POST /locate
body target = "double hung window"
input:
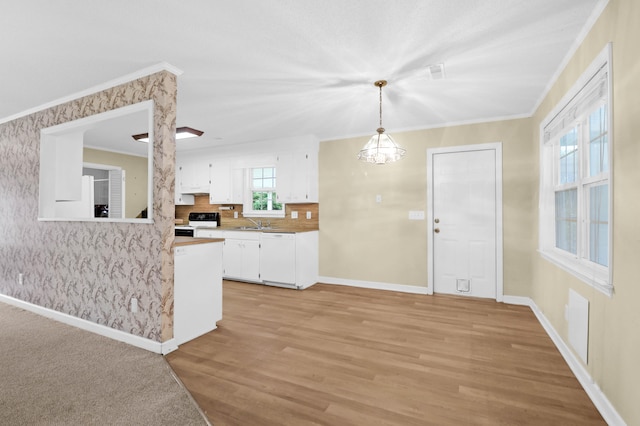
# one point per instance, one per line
(262, 200)
(575, 183)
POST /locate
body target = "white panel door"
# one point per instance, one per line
(464, 223)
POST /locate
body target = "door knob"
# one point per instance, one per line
(437, 230)
(437, 221)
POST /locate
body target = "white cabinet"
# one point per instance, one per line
(226, 183)
(180, 198)
(220, 188)
(241, 256)
(195, 176)
(281, 259)
(297, 180)
(197, 290)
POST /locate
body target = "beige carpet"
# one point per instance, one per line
(55, 374)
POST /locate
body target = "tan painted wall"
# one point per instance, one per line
(614, 336)
(365, 241)
(136, 169)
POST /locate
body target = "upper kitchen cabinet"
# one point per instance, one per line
(194, 175)
(226, 183)
(298, 177)
(180, 198)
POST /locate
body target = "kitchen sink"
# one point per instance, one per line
(254, 228)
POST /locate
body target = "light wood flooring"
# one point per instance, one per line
(334, 355)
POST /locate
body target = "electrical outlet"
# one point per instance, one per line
(134, 305)
(20, 279)
(308, 215)
(294, 215)
(235, 215)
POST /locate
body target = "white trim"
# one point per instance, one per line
(593, 18)
(497, 147)
(374, 285)
(575, 265)
(599, 399)
(102, 330)
(435, 126)
(517, 300)
(162, 66)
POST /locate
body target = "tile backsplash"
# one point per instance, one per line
(227, 216)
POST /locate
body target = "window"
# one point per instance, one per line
(575, 201)
(262, 193)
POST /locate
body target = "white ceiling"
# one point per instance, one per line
(263, 69)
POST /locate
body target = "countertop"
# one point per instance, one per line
(186, 241)
(283, 229)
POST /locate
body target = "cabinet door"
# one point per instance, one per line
(180, 198)
(251, 260)
(220, 190)
(284, 176)
(297, 177)
(237, 186)
(304, 184)
(195, 175)
(232, 258)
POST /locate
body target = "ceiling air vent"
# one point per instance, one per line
(436, 72)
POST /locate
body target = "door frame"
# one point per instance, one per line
(497, 147)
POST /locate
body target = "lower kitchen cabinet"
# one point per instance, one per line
(241, 256)
(280, 259)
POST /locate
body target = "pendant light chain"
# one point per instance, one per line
(380, 85)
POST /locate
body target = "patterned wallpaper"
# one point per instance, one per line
(86, 269)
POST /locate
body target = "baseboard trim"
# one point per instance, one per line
(599, 399)
(121, 336)
(374, 285)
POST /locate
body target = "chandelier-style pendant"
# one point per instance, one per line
(381, 148)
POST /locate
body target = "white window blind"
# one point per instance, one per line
(116, 193)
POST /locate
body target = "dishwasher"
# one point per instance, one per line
(278, 259)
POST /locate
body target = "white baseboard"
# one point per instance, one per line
(374, 285)
(599, 399)
(121, 336)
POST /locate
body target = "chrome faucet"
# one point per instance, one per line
(258, 224)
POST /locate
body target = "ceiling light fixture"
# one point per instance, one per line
(181, 133)
(381, 148)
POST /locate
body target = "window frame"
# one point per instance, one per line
(579, 264)
(248, 210)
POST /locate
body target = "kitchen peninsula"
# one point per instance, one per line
(197, 287)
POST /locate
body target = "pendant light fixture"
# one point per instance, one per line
(381, 148)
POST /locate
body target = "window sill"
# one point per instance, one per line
(596, 279)
(276, 214)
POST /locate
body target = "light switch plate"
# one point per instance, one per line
(294, 215)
